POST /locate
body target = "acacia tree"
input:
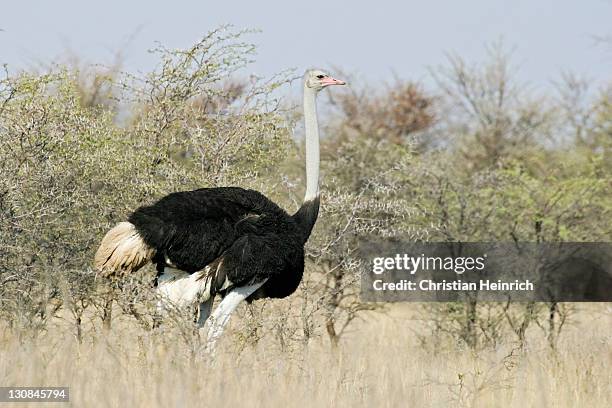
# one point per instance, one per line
(366, 156)
(69, 170)
(510, 175)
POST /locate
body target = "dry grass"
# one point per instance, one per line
(378, 364)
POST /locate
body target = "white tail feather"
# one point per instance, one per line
(122, 250)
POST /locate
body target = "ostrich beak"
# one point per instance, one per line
(331, 81)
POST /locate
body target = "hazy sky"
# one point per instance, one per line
(376, 39)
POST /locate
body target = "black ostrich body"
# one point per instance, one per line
(243, 236)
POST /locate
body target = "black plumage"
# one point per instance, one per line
(243, 236)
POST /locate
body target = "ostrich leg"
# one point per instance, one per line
(205, 309)
(222, 313)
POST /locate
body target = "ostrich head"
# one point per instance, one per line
(316, 79)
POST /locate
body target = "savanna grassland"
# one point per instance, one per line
(380, 362)
(475, 157)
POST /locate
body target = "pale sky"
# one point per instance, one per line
(375, 39)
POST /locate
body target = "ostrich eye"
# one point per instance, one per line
(320, 76)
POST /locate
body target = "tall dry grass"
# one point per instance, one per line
(379, 363)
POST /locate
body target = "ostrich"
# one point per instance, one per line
(225, 241)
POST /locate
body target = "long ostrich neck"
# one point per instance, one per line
(312, 145)
(307, 215)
